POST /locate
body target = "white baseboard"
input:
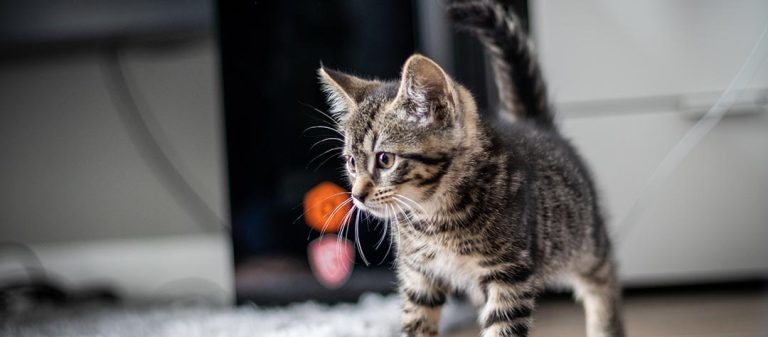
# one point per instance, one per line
(193, 266)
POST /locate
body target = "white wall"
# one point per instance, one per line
(72, 179)
(609, 49)
(624, 74)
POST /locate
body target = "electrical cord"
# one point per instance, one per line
(693, 137)
(30, 261)
(151, 145)
(40, 287)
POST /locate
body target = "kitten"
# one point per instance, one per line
(494, 212)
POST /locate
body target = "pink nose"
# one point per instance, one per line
(362, 187)
(361, 195)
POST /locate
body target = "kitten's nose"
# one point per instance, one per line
(361, 195)
(361, 188)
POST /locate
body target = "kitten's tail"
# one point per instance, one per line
(522, 90)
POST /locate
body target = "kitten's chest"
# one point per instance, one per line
(461, 272)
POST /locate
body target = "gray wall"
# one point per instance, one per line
(75, 187)
(69, 170)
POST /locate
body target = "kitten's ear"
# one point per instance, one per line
(425, 92)
(344, 91)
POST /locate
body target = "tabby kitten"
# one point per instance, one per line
(494, 212)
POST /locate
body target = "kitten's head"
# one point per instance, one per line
(401, 137)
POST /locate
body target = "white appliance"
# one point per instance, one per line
(629, 79)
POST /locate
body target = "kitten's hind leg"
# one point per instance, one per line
(600, 293)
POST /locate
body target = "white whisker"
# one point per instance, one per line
(388, 225)
(424, 211)
(313, 207)
(332, 214)
(323, 162)
(325, 140)
(403, 211)
(340, 148)
(397, 221)
(357, 239)
(325, 114)
(344, 224)
(324, 128)
(385, 228)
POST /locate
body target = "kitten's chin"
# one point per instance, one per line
(380, 212)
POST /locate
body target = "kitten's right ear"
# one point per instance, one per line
(426, 91)
(344, 91)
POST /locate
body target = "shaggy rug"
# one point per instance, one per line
(373, 316)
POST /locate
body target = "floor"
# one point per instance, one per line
(739, 310)
(701, 313)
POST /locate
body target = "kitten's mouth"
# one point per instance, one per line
(377, 210)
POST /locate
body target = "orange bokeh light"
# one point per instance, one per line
(319, 204)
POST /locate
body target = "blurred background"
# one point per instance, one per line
(135, 134)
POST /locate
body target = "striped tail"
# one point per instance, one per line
(522, 90)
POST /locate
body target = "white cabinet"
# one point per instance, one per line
(709, 222)
(620, 72)
(608, 49)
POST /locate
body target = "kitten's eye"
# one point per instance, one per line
(385, 160)
(351, 164)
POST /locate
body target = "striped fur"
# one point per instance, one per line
(492, 211)
(521, 86)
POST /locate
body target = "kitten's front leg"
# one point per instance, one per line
(422, 301)
(508, 308)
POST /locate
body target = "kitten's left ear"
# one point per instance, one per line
(344, 91)
(425, 92)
